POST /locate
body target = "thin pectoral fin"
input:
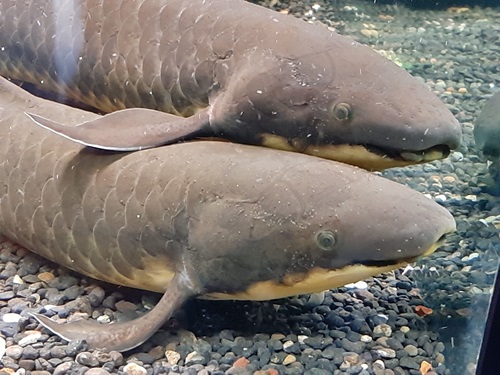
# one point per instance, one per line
(126, 335)
(130, 129)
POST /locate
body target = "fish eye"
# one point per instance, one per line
(342, 111)
(326, 240)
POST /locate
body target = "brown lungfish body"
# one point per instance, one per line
(212, 219)
(224, 68)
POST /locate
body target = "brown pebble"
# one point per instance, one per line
(370, 33)
(117, 357)
(241, 362)
(425, 367)
(269, 371)
(289, 359)
(277, 336)
(96, 371)
(124, 306)
(385, 17)
(157, 352)
(46, 276)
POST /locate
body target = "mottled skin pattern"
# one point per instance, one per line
(252, 72)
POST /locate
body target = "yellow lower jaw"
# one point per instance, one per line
(317, 280)
(350, 154)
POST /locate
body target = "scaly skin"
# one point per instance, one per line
(258, 76)
(212, 219)
(228, 216)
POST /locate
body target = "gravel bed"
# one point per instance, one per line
(425, 319)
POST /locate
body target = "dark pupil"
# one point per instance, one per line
(342, 113)
(326, 241)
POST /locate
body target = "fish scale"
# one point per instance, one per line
(90, 53)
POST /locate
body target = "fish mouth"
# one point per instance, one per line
(367, 156)
(376, 158)
(410, 156)
(398, 262)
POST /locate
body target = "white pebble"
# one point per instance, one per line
(470, 257)
(134, 369)
(358, 285)
(386, 352)
(456, 156)
(287, 344)
(383, 329)
(104, 319)
(11, 318)
(405, 329)
(301, 338)
(30, 339)
(366, 338)
(440, 198)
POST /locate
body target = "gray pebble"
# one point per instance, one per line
(14, 351)
(6, 295)
(63, 368)
(27, 364)
(412, 350)
(407, 362)
(87, 359)
(356, 347)
(29, 352)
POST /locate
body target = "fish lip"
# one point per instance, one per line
(411, 259)
(414, 156)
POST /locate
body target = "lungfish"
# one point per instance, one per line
(487, 128)
(203, 219)
(223, 68)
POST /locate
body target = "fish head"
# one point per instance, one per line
(309, 227)
(341, 101)
(376, 115)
